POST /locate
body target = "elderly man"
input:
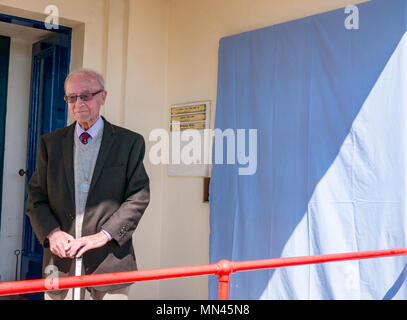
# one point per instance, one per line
(89, 191)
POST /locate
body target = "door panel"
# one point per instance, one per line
(48, 112)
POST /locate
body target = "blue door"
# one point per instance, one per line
(4, 65)
(48, 112)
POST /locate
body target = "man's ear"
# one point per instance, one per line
(104, 94)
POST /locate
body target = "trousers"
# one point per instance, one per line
(118, 294)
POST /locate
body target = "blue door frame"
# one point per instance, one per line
(48, 112)
(4, 66)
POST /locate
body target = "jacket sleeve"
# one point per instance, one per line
(42, 219)
(124, 221)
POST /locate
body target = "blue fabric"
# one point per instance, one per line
(329, 107)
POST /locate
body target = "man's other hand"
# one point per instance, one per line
(87, 243)
(60, 242)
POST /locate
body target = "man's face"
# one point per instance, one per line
(85, 112)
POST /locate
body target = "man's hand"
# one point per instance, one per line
(60, 242)
(87, 243)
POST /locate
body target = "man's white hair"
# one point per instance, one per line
(89, 72)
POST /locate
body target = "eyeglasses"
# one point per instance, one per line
(84, 97)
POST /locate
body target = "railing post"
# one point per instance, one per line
(225, 269)
(223, 287)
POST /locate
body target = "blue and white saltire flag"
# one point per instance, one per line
(329, 103)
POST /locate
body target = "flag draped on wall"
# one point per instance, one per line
(329, 105)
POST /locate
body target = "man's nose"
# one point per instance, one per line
(79, 101)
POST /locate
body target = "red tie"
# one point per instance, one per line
(84, 137)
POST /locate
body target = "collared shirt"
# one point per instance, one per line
(93, 131)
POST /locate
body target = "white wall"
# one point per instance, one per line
(15, 156)
(145, 91)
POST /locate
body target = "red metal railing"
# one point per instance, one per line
(222, 269)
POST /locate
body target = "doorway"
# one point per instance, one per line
(39, 63)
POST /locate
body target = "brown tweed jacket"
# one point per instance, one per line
(118, 196)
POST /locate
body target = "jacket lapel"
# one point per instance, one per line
(106, 144)
(67, 153)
